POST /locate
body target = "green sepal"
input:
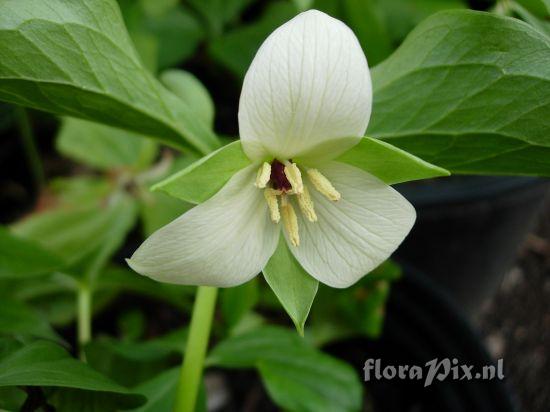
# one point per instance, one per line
(389, 163)
(292, 285)
(201, 180)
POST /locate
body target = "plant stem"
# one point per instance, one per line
(84, 318)
(195, 351)
(29, 145)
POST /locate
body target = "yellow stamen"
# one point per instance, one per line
(323, 185)
(290, 221)
(271, 199)
(306, 205)
(294, 177)
(263, 176)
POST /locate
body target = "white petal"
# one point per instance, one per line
(355, 234)
(309, 83)
(224, 241)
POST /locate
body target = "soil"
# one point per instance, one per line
(515, 323)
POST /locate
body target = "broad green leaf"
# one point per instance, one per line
(75, 191)
(292, 285)
(188, 88)
(356, 311)
(470, 92)
(367, 22)
(312, 377)
(539, 24)
(217, 13)
(84, 65)
(55, 297)
(314, 382)
(236, 302)
(70, 400)
(16, 319)
(77, 233)
(236, 49)
(264, 343)
(104, 147)
(131, 363)
(388, 163)
(122, 279)
(11, 399)
(204, 178)
(158, 7)
(160, 392)
(46, 364)
(156, 208)
(403, 15)
(21, 258)
(539, 7)
(302, 5)
(164, 32)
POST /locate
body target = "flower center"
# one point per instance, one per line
(284, 180)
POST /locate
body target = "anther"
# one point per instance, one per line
(323, 185)
(271, 199)
(290, 221)
(306, 205)
(294, 176)
(262, 178)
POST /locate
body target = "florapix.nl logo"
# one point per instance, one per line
(435, 369)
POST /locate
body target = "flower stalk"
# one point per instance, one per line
(84, 324)
(195, 350)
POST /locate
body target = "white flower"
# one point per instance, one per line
(306, 99)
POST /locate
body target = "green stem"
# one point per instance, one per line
(195, 351)
(29, 145)
(84, 324)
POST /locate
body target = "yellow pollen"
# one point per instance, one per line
(323, 185)
(306, 205)
(263, 176)
(294, 177)
(271, 199)
(290, 221)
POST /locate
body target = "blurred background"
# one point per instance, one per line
(477, 264)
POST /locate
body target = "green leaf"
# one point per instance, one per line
(238, 301)
(539, 7)
(188, 88)
(297, 376)
(539, 24)
(46, 364)
(131, 363)
(77, 233)
(160, 392)
(217, 13)
(156, 208)
(292, 285)
(204, 178)
(16, 318)
(236, 49)
(403, 15)
(315, 382)
(367, 22)
(104, 147)
(470, 92)
(123, 279)
(84, 65)
(388, 163)
(21, 258)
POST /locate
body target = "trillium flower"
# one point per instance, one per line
(306, 99)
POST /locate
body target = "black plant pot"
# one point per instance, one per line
(469, 229)
(423, 324)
